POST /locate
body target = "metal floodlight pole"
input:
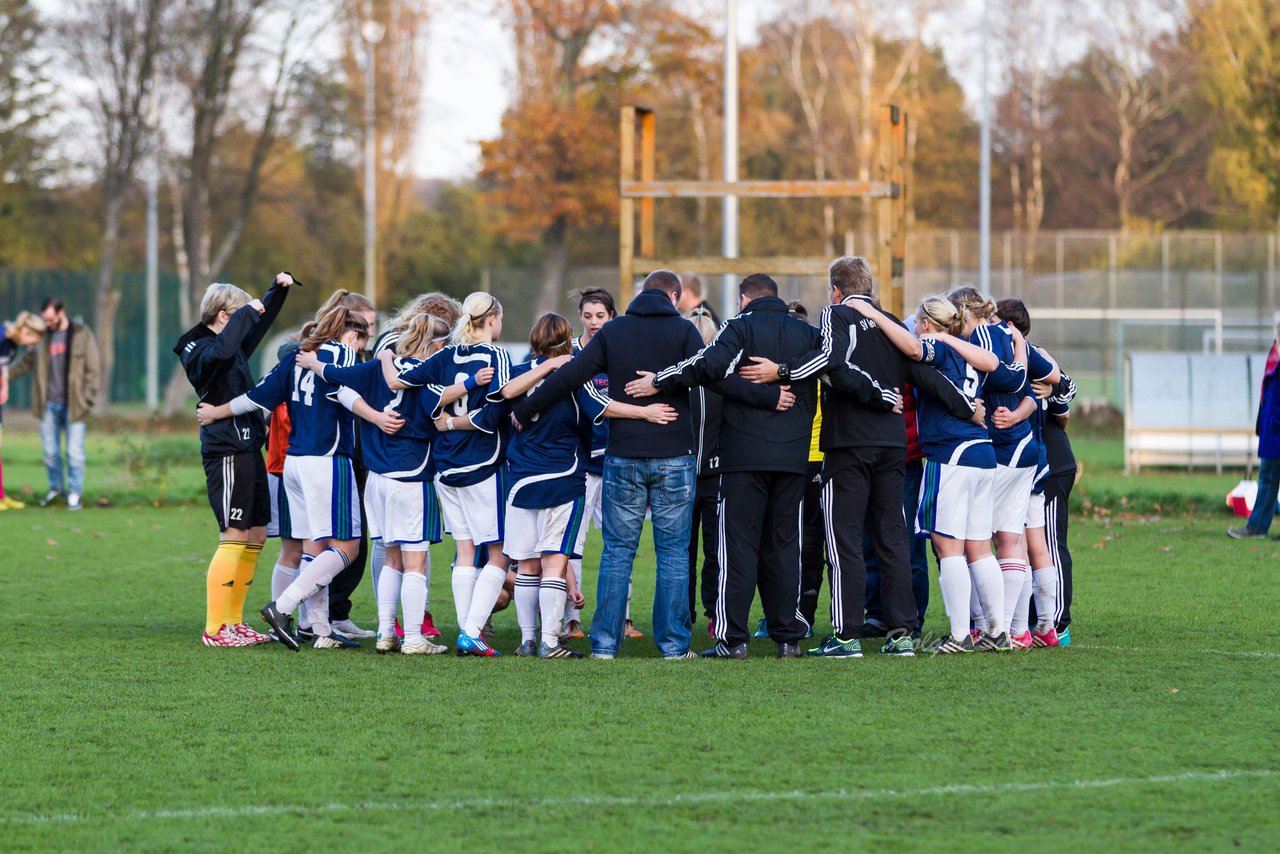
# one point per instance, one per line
(153, 269)
(984, 179)
(729, 303)
(371, 32)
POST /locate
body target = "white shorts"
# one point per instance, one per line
(591, 511)
(323, 501)
(402, 513)
(550, 530)
(955, 501)
(1010, 492)
(476, 513)
(1035, 510)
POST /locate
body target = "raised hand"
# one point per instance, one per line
(284, 280)
(642, 387)
(786, 399)
(762, 371)
(258, 306)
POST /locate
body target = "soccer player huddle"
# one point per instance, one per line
(641, 416)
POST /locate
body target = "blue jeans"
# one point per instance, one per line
(916, 548)
(1264, 506)
(52, 427)
(666, 487)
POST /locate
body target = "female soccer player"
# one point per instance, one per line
(400, 497)
(25, 331)
(547, 462)
(595, 309)
(215, 355)
(319, 480)
(955, 498)
(470, 480)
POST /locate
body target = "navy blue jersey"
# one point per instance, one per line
(463, 457)
(319, 426)
(943, 437)
(1009, 377)
(600, 431)
(8, 348)
(548, 459)
(407, 454)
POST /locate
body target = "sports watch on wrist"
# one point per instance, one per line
(784, 372)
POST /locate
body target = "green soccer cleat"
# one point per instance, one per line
(949, 646)
(901, 646)
(834, 647)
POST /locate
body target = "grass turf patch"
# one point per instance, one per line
(1157, 726)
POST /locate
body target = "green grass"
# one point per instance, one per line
(1156, 727)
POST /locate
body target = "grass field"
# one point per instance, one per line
(1157, 727)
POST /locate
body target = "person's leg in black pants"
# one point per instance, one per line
(813, 543)
(845, 488)
(887, 530)
(780, 557)
(919, 556)
(705, 520)
(1057, 494)
(744, 500)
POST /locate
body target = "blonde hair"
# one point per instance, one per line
(29, 321)
(442, 306)
(477, 308)
(221, 296)
(972, 302)
(701, 320)
(332, 325)
(419, 333)
(943, 313)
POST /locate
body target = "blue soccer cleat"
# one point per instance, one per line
(1064, 637)
(467, 645)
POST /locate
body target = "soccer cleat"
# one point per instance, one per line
(1064, 637)
(1045, 639)
(1022, 641)
(789, 650)
(527, 649)
(723, 650)
(711, 627)
(50, 497)
(1244, 532)
(387, 643)
(399, 629)
(833, 647)
(429, 629)
(762, 629)
(573, 631)
(281, 626)
(306, 634)
(975, 635)
(630, 631)
(902, 645)
(422, 646)
(223, 637)
(683, 656)
(950, 645)
(11, 503)
(557, 651)
(253, 637)
(351, 630)
(487, 631)
(994, 643)
(333, 640)
(73, 501)
(467, 645)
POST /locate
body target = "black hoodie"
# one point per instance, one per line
(649, 337)
(217, 366)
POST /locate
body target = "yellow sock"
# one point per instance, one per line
(220, 584)
(244, 577)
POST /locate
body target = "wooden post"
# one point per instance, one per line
(648, 172)
(627, 210)
(898, 279)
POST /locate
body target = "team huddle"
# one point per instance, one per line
(789, 448)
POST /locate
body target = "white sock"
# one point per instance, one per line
(527, 606)
(318, 609)
(281, 577)
(426, 574)
(413, 592)
(571, 612)
(388, 599)
(1023, 608)
(1045, 584)
(953, 578)
(986, 576)
(977, 618)
(377, 560)
(304, 618)
(1013, 574)
(464, 580)
(484, 596)
(314, 575)
(629, 586)
(552, 596)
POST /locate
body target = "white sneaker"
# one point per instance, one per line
(603, 656)
(421, 646)
(73, 501)
(387, 643)
(351, 630)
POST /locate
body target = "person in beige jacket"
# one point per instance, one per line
(66, 373)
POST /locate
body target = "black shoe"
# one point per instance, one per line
(789, 650)
(306, 634)
(334, 641)
(281, 625)
(872, 630)
(723, 650)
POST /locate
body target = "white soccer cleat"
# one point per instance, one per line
(73, 501)
(223, 637)
(421, 646)
(251, 637)
(351, 630)
(387, 643)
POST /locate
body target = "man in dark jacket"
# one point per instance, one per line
(215, 355)
(763, 458)
(645, 464)
(865, 460)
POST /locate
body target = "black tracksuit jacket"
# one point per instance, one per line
(218, 368)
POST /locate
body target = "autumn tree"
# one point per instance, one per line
(24, 103)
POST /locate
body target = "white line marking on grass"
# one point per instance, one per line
(1227, 653)
(694, 799)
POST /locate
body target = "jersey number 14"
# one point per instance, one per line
(304, 382)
